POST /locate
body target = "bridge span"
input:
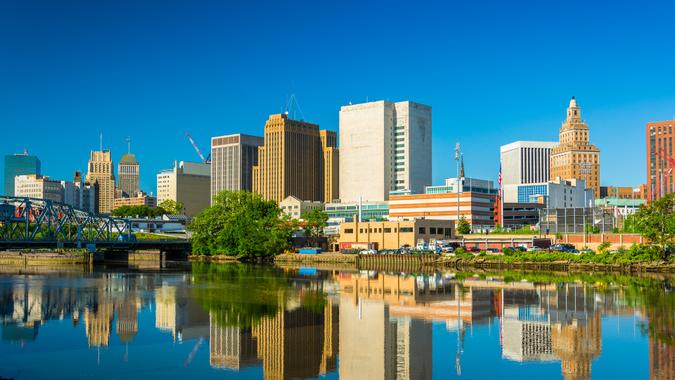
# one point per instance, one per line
(43, 223)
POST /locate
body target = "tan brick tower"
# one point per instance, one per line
(574, 157)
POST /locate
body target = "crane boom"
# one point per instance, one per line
(666, 157)
(194, 145)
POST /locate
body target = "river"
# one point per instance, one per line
(231, 321)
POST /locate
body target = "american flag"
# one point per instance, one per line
(500, 176)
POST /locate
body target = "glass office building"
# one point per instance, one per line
(19, 164)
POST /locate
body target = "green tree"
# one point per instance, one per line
(463, 227)
(241, 224)
(172, 207)
(656, 222)
(314, 223)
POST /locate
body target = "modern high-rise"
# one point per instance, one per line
(19, 164)
(660, 159)
(331, 165)
(384, 147)
(128, 176)
(101, 170)
(526, 162)
(574, 157)
(187, 183)
(291, 161)
(232, 161)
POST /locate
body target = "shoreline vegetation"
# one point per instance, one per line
(242, 226)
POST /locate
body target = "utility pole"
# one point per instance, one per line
(457, 157)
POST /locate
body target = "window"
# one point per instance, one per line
(387, 230)
(349, 230)
(422, 230)
(448, 232)
(406, 229)
(432, 230)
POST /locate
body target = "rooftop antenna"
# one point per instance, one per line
(293, 107)
(100, 144)
(128, 140)
(25, 151)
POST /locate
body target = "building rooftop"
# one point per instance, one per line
(129, 159)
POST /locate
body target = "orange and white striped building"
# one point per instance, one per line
(476, 207)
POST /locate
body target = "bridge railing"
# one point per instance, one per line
(32, 220)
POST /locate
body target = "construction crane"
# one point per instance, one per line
(206, 160)
(670, 161)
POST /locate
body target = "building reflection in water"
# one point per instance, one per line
(380, 325)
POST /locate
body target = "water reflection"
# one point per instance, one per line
(227, 320)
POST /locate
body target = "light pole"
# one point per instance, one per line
(457, 157)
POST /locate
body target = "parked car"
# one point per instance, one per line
(492, 250)
(473, 249)
(568, 248)
(447, 249)
(368, 252)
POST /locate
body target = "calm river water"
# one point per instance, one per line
(263, 322)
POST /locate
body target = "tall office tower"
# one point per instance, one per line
(100, 170)
(187, 183)
(232, 161)
(128, 176)
(526, 162)
(660, 159)
(574, 157)
(290, 162)
(19, 164)
(331, 165)
(384, 147)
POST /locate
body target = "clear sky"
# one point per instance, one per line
(493, 71)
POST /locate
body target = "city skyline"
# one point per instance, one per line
(199, 74)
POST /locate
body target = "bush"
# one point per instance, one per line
(604, 246)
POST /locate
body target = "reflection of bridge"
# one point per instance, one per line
(43, 223)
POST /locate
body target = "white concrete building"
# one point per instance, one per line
(77, 195)
(295, 207)
(384, 147)
(187, 183)
(526, 162)
(558, 193)
(37, 186)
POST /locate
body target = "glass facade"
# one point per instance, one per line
(526, 192)
(19, 164)
(347, 211)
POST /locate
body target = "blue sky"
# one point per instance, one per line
(493, 71)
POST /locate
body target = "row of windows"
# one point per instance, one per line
(386, 230)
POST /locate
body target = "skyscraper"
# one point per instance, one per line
(290, 162)
(526, 162)
(331, 165)
(660, 159)
(128, 175)
(574, 157)
(19, 164)
(100, 170)
(232, 161)
(384, 147)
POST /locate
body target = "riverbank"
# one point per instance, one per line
(423, 263)
(44, 258)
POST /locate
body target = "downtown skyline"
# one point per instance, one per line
(151, 73)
